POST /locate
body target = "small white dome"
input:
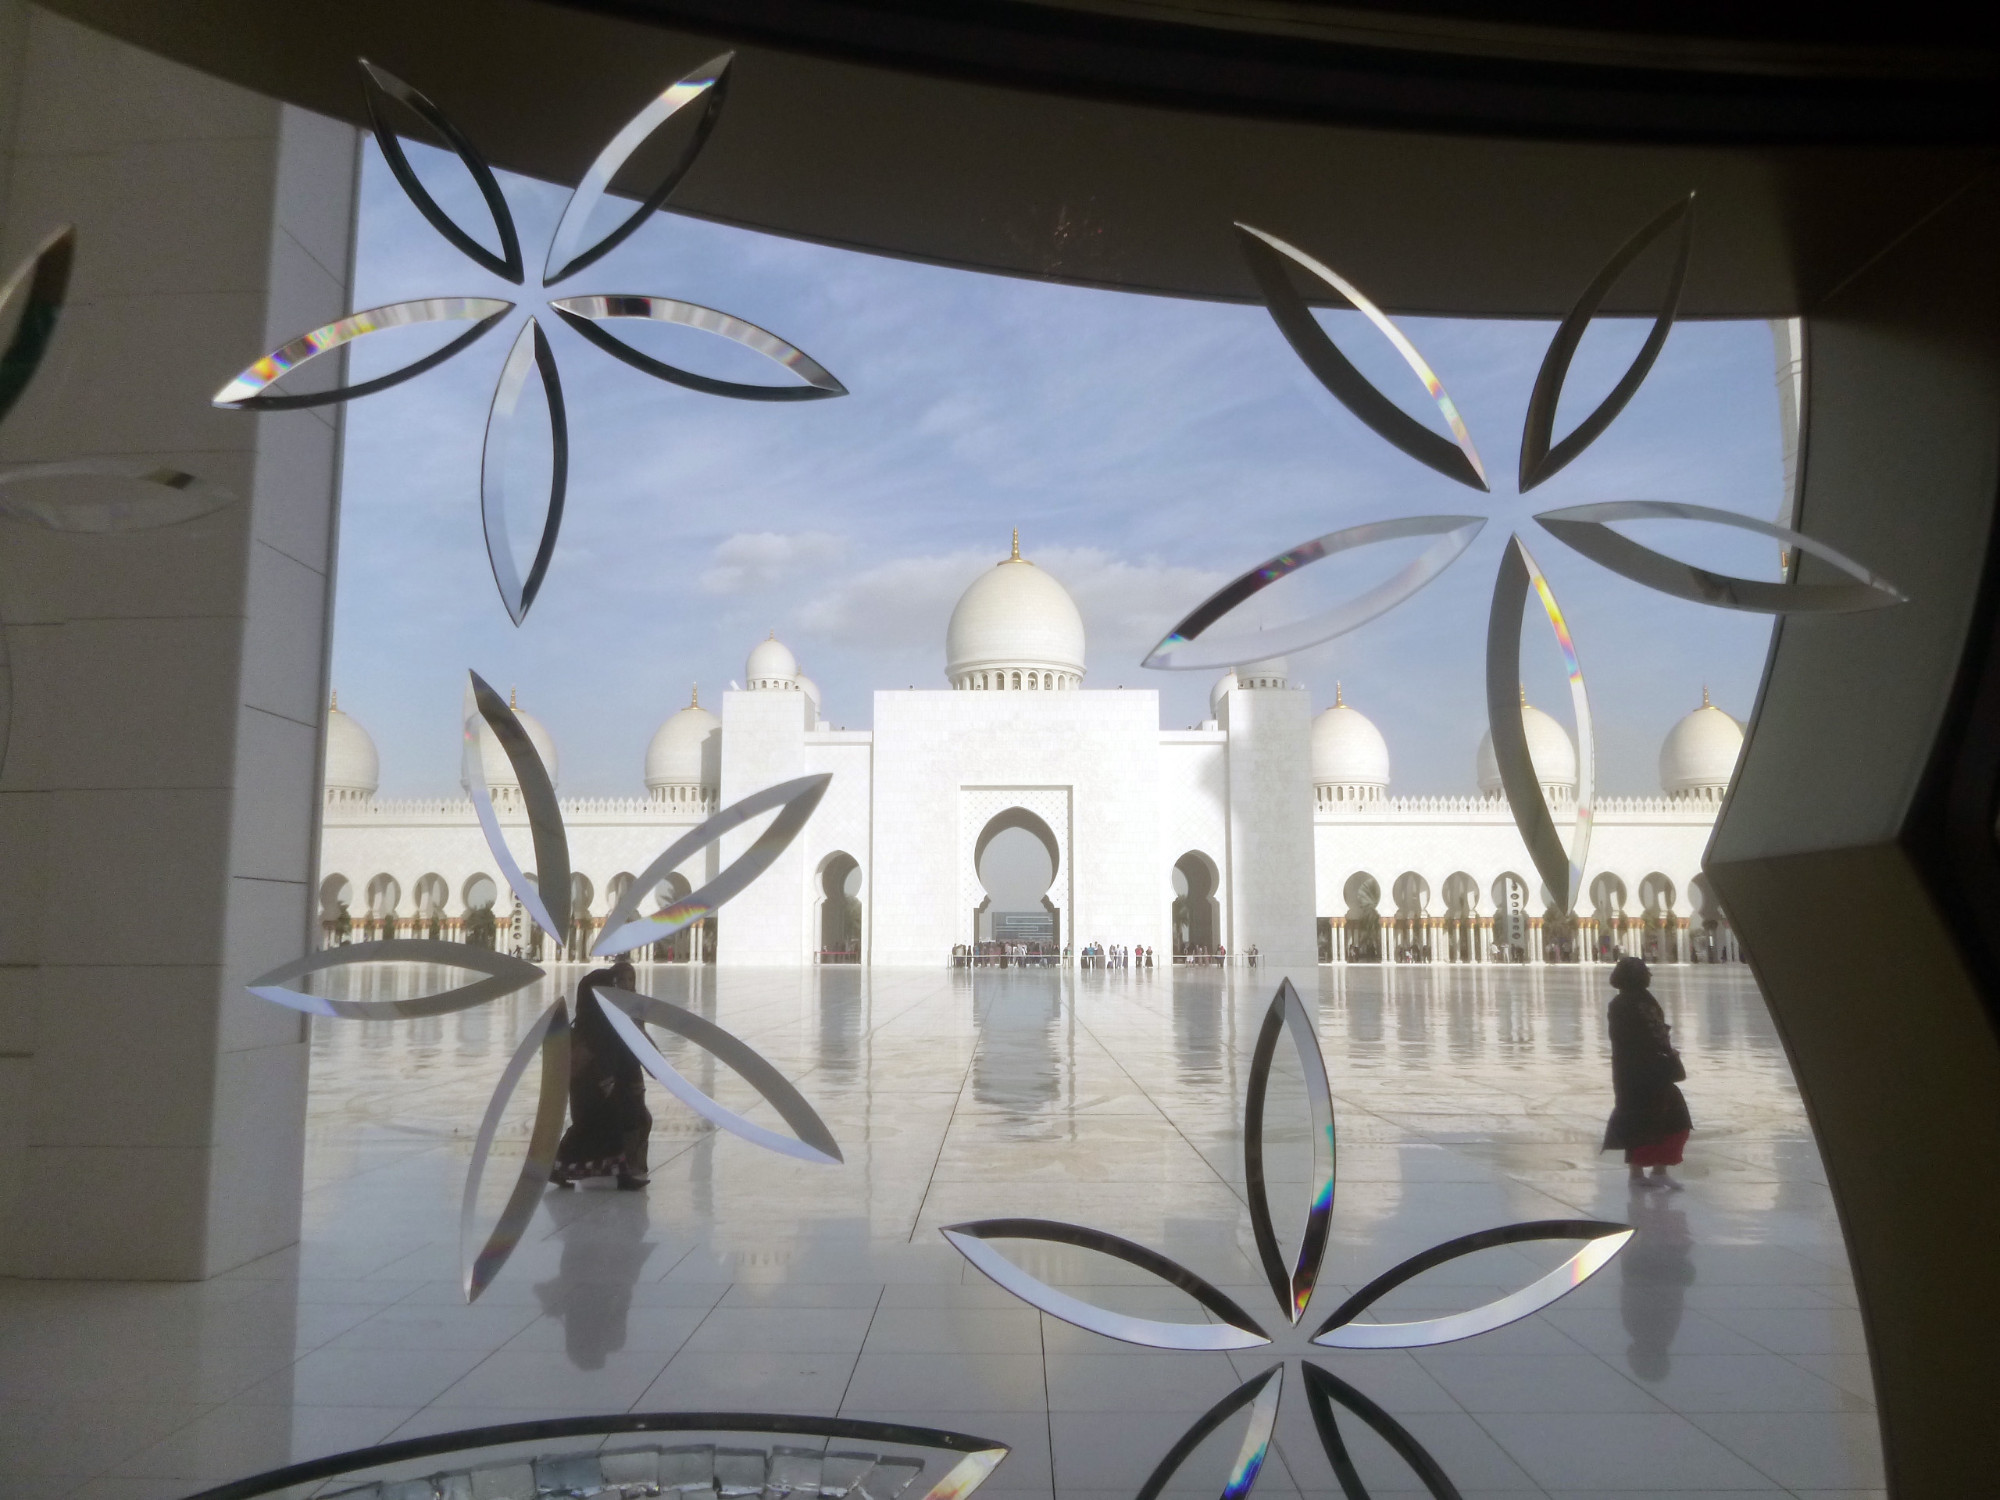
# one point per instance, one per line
(771, 665)
(1224, 686)
(493, 760)
(1347, 749)
(1699, 755)
(353, 768)
(810, 689)
(1015, 616)
(1270, 673)
(1549, 750)
(686, 750)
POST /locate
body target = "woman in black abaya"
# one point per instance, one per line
(609, 1122)
(1649, 1118)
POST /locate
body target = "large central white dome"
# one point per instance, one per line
(1016, 627)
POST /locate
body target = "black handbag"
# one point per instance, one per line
(1676, 1069)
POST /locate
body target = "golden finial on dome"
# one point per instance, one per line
(1704, 697)
(1524, 695)
(514, 699)
(694, 700)
(1338, 701)
(334, 707)
(1017, 546)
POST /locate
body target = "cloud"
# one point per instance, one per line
(1127, 604)
(901, 602)
(751, 561)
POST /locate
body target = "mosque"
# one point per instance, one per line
(1266, 828)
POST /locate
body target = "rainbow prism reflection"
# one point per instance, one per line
(273, 367)
(1256, 1439)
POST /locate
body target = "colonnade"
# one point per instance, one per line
(1472, 940)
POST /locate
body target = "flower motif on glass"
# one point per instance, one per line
(1585, 528)
(530, 358)
(1292, 1283)
(545, 897)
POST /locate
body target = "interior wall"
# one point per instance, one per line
(1893, 1044)
(158, 806)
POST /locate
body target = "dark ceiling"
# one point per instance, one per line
(1699, 71)
(1115, 142)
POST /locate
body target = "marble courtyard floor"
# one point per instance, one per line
(1721, 1354)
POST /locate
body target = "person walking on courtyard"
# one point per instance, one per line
(610, 1126)
(1649, 1118)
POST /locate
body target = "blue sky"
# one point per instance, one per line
(1148, 448)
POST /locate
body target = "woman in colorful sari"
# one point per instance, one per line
(609, 1122)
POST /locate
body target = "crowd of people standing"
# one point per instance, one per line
(1116, 956)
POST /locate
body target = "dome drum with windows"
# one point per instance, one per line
(1015, 630)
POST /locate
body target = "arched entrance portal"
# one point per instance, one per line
(336, 915)
(840, 909)
(1510, 919)
(1197, 912)
(1016, 858)
(1461, 918)
(1363, 929)
(695, 944)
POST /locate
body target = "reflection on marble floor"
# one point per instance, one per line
(1720, 1353)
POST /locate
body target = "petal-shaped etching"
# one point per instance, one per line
(1293, 1286)
(245, 392)
(1561, 872)
(585, 314)
(504, 975)
(811, 1140)
(1183, 649)
(1538, 459)
(1603, 1241)
(547, 896)
(550, 1037)
(1323, 1391)
(30, 302)
(1261, 1394)
(106, 495)
(567, 253)
(796, 800)
(1237, 1330)
(531, 352)
(1267, 255)
(380, 86)
(1586, 529)
(975, 1457)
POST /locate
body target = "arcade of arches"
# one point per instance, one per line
(1417, 928)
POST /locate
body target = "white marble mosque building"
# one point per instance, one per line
(1265, 828)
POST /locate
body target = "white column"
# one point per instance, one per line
(159, 808)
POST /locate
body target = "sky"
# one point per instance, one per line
(1148, 448)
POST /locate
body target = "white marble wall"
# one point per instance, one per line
(1268, 884)
(1194, 799)
(841, 826)
(407, 840)
(1099, 749)
(159, 803)
(1439, 836)
(763, 743)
